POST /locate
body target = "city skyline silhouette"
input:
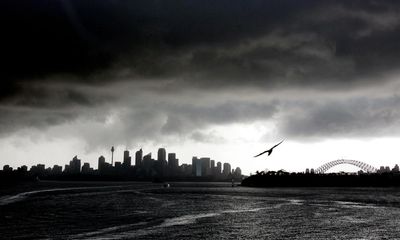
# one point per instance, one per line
(143, 167)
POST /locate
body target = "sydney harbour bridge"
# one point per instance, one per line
(363, 166)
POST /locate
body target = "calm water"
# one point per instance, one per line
(51, 210)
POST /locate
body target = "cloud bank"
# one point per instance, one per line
(120, 71)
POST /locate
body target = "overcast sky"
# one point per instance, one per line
(223, 79)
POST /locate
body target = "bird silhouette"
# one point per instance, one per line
(269, 151)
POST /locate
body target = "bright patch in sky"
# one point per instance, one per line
(235, 144)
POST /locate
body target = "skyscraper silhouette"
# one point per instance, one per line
(101, 164)
(161, 163)
(205, 166)
(219, 168)
(196, 167)
(173, 163)
(75, 165)
(138, 158)
(227, 169)
(161, 154)
(127, 159)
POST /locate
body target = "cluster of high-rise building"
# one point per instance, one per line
(167, 165)
(144, 167)
(387, 169)
(203, 167)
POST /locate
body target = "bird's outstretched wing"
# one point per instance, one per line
(277, 144)
(261, 153)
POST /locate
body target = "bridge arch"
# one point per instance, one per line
(364, 166)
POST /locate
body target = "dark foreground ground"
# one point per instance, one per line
(131, 210)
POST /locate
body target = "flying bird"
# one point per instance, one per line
(268, 151)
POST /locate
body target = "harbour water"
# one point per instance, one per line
(78, 210)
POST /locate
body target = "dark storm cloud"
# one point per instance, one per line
(353, 117)
(43, 105)
(82, 38)
(64, 60)
(16, 119)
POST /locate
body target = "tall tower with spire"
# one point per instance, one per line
(112, 155)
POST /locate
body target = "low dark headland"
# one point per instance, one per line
(272, 179)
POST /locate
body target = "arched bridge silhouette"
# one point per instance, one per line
(364, 166)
